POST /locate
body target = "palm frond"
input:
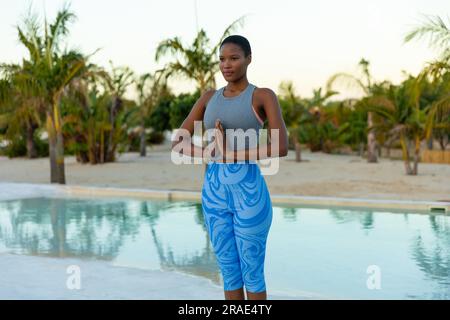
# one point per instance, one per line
(347, 80)
(59, 28)
(435, 29)
(238, 23)
(442, 107)
(171, 46)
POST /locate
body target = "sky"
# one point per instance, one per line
(292, 40)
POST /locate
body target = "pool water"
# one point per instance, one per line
(311, 252)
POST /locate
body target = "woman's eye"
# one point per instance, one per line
(234, 58)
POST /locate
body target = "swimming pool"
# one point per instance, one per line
(313, 252)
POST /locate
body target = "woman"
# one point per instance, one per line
(235, 199)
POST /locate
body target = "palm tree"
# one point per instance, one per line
(20, 105)
(87, 107)
(150, 87)
(365, 84)
(53, 69)
(352, 116)
(438, 72)
(404, 120)
(293, 111)
(117, 83)
(86, 118)
(319, 127)
(197, 62)
(434, 83)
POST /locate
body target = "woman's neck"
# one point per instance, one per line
(237, 87)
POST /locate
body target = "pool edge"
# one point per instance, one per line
(185, 195)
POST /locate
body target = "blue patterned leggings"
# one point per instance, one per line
(237, 209)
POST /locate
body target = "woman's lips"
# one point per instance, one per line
(227, 73)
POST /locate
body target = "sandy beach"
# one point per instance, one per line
(319, 174)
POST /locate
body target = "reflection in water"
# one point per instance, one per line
(200, 264)
(365, 218)
(61, 228)
(97, 229)
(290, 214)
(323, 251)
(433, 255)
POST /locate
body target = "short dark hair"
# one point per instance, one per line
(240, 41)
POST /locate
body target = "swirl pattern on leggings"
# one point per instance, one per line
(238, 214)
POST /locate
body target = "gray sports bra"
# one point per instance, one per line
(235, 113)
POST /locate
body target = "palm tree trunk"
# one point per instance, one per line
(60, 157)
(112, 118)
(202, 86)
(443, 140)
(298, 155)
(416, 155)
(52, 149)
(102, 146)
(361, 149)
(31, 146)
(59, 150)
(405, 154)
(143, 146)
(371, 141)
(91, 145)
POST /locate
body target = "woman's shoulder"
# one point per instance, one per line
(208, 94)
(264, 94)
(264, 91)
(206, 97)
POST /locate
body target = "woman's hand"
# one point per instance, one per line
(219, 138)
(208, 152)
(220, 144)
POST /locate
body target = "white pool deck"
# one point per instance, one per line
(36, 277)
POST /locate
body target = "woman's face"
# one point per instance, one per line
(233, 63)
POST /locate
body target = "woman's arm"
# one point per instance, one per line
(182, 142)
(278, 145)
